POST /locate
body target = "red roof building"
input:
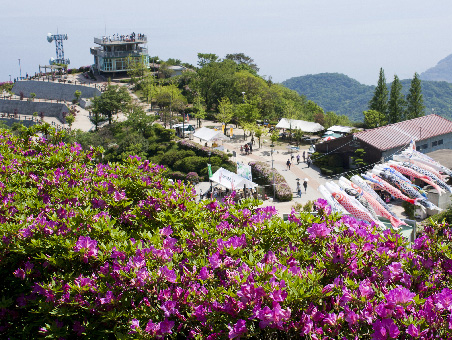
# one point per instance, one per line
(400, 134)
(430, 133)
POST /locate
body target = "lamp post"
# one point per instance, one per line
(273, 172)
(9, 78)
(211, 185)
(183, 124)
(243, 94)
(20, 71)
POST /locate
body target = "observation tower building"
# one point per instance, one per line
(111, 56)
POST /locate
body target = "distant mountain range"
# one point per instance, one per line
(346, 96)
(441, 72)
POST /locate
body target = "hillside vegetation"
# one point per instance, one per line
(116, 251)
(346, 96)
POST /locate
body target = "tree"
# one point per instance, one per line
(290, 113)
(415, 100)
(77, 95)
(32, 96)
(259, 132)
(298, 134)
(97, 118)
(274, 136)
(397, 103)
(242, 59)
(138, 119)
(70, 119)
(165, 71)
(247, 114)
(373, 119)
(206, 58)
(225, 112)
(148, 88)
(198, 109)
(136, 68)
(113, 100)
(170, 97)
(214, 81)
(379, 101)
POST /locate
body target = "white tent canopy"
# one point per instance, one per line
(231, 180)
(302, 125)
(340, 129)
(208, 135)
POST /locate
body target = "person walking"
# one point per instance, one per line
(251, 148)
(291, 157)
(304, 156)
(298, 189)
(288, 164)
(305, 185)
(298, 159)
(309, 161)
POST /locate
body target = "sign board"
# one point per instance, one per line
(209, 169)
(244, 170)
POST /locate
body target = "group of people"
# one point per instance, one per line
(305, 186)
(117, 37)
(219, 194)
(307, 160)
(248, 148)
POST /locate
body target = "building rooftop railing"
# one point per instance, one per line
(121, 39)
(118, 54)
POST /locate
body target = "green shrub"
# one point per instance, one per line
(193, 178)
(335, 160)
(192, 163)
(173, 156)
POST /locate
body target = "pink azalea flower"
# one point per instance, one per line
(384, 329)
(238, 329)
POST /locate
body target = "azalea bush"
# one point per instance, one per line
(100, 251)
(266, 175)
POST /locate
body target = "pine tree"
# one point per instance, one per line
(415, 100)
(397, 103)
(379, 101)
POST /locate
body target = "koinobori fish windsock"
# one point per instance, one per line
(416, 155)
(358, 195)
(414, 174)
(383, 185)
(432, 175)
(335, 206)
(347, 203)
(379, 209)
(363, 185)
(423, 165)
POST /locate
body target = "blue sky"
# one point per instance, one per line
(286, 38)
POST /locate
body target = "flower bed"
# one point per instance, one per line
(116, 251)
(263, 171)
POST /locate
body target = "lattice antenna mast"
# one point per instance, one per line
(59, 48)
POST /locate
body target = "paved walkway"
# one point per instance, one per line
(280, 156)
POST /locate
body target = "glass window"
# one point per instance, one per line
(425, 146)
(435, 143)
(120, 64)
(418, 148)
(440, 142)
(108, 65)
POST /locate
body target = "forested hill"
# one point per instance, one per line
(346, 96)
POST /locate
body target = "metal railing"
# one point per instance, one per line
(118, 54)
(141, 39)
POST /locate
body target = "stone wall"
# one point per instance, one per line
(51, 90)
(28, 108)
